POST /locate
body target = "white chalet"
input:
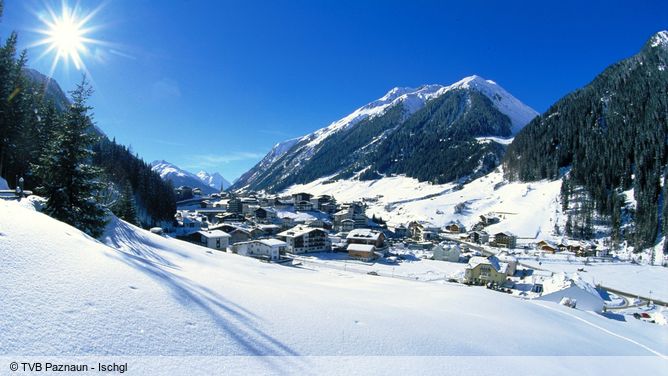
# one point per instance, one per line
(446, 252)
(215, 239)
(366, 236)
(270, 249)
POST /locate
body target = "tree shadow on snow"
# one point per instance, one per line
(238, 323)
(613, 316)
(121, 236)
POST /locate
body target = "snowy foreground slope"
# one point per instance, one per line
(63, 293)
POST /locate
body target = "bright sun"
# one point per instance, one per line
(66, 35)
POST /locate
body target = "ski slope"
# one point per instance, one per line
(136, 293)
(529, 210)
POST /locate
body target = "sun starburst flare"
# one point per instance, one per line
(67, 35)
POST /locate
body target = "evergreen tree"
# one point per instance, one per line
(665, 209)
(569, 226)
(565, 193)
(612, 134)
(126, 208)
(68, 179)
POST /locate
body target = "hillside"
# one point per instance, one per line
(428, 133)
(63, 293)
(611, 136)
(532, 208)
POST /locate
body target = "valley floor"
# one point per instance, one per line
(135, 293)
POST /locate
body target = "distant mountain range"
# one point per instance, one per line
(431, 133)
(208, 183)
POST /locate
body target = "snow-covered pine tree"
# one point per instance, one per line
(68, 179)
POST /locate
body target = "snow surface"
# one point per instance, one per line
(526, 209)
(660, 39)
(137, 293)
(498, 140)
(623, 276)
(411, 268)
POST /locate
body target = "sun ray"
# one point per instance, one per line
(66, 35)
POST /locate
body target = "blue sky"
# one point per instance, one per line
(214, 84)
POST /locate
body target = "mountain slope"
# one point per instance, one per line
(612, 134)
(215, 180)
(63, 293)
(208, 183)
(52, 90)
(373, 139)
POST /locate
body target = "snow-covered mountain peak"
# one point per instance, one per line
(660, 39)
(215, 180)
(519, 113)
(165, 168)
(415, 98)
(410, 99)
(209, 183)
(396, 92)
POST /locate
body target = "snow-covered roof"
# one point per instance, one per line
(364, 234)
(268, 227)
(562, 281)
(298, 230)
(273, 242)
(446, 246)
(214, 234)
(500, 267)
(477, 260)
(361, 247)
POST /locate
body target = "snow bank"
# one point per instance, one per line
(3, 183)
(573, 288)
